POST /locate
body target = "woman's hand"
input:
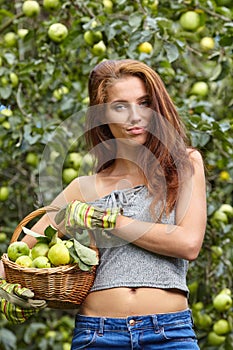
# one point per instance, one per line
(17, 303)
(82, 215)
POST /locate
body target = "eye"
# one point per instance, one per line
(144, 103)
(119, 107)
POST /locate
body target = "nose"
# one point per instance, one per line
(134, 114)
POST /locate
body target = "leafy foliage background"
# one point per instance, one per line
(42, 120)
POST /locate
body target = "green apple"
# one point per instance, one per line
(7, 112)
(58, 93)
(51, 4)
(66, 346)
(214, 339)
(92, 37)
(32, 159)
(24, 261)
(190, 20)
(39, 249)
(204, 321)
(221, 327)
(31, 8)
(207, 43)
(198, 306)
(59, 254)
(10, 39)
(4, 193)
(14, 79)
(220, 216)
(193, 287)
(57, 32)
(200, 88)
(99, 48)
(69, 174)
(216, 252)
(145, 47)
(222, 302)
(108, 5)
(227, 209)
(22, 32)
(3, 237)
(17, 249)
(74, 160)
(6, 125)
(41, 262)
(224, 175)
(226, 291)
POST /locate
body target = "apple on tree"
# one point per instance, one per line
(227, 209)
(222, 302)
(221, 327)
(69, 174)
(4, 193)
(99, 48)
(145, 47)
(57, 32)
(190, 20)
(51, 5)
(10, 39)
(31, 8)
(215, 339)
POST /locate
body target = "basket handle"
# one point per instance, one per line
(35, 213)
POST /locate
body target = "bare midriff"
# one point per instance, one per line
(123, 302)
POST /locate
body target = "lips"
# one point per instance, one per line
(136, 130)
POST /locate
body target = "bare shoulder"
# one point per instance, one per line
(195, 157)
(86, 187)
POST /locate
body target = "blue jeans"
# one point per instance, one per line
(163, 331)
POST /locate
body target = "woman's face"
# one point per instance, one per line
(128, 113)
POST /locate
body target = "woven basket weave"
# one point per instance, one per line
(63, 287)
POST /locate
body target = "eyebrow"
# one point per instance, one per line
(138, 99)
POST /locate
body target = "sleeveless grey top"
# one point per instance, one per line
(123, 264)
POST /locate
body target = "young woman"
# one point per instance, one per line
(153, 185)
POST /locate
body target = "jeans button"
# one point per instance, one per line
(132, 322)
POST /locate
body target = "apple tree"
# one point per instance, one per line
(47, 49)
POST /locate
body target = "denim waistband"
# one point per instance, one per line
(154, 321)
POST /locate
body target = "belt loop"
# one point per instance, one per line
(155, 322)
(101, 327)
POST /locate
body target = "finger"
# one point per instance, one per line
(23, 292)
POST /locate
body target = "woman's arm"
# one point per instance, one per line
(70, 193)
(183, 240)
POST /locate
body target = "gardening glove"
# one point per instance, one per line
(16, 302)
(82, 215)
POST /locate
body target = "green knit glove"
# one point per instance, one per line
(82, 215)
(16, 302)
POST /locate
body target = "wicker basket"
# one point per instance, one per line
(63, 287)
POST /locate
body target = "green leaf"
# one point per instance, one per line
(7, 339)
(5, 91)
(50, 232)
(32, 330)
(85, 254)
(135, 20)
(30, 232)
(171, 51)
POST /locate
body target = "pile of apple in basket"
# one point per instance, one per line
(51, 251)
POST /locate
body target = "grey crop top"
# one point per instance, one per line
(123, 264)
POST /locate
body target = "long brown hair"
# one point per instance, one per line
(166, 142)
